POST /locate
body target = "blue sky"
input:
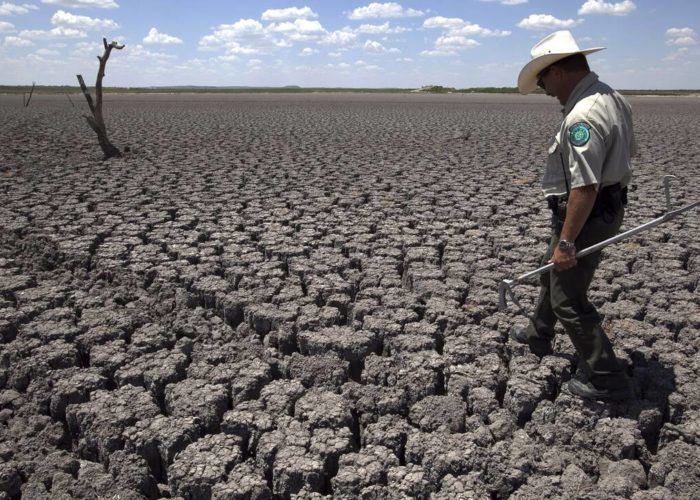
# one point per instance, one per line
(467, 43)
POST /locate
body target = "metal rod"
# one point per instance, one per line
(614, 239)
(667, 190)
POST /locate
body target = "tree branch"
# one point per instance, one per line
(31, 92)
(86, 93)
(92, 123)
(101, 71)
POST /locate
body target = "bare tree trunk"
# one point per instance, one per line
(96, 119)
(31, 92)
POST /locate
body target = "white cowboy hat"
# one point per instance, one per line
(547, 51)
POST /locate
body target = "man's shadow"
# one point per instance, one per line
(653, 383)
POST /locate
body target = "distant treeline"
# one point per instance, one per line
(292, 89)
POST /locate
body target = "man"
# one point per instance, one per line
(585, 184)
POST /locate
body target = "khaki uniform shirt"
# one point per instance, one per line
(594, 143)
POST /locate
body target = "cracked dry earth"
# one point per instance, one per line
(295, 297)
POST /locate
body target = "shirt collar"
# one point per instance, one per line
(578, 91)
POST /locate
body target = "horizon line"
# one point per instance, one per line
(7, 88)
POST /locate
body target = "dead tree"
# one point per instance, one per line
(96, 120)
(25, 101)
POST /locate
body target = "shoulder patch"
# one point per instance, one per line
(579, 133)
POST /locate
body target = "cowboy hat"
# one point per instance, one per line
(546, 52)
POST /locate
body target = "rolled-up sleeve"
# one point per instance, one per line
(584, 147)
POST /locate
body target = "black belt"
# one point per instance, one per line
(609, 199)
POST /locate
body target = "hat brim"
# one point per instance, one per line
(527, 79)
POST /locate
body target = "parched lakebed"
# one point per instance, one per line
(276, 296)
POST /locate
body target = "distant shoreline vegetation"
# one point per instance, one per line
(294, 89)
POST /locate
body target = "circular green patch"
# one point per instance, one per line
(579, 134)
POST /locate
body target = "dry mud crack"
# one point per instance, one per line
(295, 297)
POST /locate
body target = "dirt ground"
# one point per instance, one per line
(275, 296)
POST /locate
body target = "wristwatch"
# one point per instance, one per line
(566, 246)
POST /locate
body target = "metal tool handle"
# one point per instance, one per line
(506, 285)
(622, 236)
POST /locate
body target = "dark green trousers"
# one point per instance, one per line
(564, 298)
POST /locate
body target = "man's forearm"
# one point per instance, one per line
(578, 208)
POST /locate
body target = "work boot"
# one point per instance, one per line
(620, 390)
(538, 346)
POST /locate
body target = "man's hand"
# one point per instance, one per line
(579, 206)
(563, 259)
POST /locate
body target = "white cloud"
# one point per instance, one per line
(362, 64)
(335, 54)
(67, 20)
(682, 41)
(289, 13)
(58, 32)
(97, 4)
(456, 26)
(375, 29)
(372, 46)
(470, 29)
(343, 65)
(9, 9)
(443, 22)
(383, 10)
(681, 37)
(248, 36)
(243, 28)
(452, 43)
(230, 36)
(6, 27)
(339, 37)
(438, 53)
(15, 41)
(507, 2)
(307, 51)
(680, 32)
(547, 22)
(456, 35)
(237, 48)
(602, 7)
(154, 36)
(299, 30)
(254, 64)
(375, 47)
